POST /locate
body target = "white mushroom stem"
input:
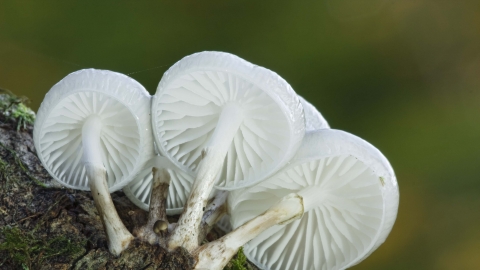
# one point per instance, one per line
(117, 235)
(312, 197)
(216, 254)
(187, 231)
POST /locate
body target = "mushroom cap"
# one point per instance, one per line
(122, 104)
(354, 212)
(313, 118)
(188, 103)
(139, 190)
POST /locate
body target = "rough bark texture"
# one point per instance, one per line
(46, 226)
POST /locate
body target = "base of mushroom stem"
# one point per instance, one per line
(140, 254)
(216, 254)
(157, 228)
(118, 236)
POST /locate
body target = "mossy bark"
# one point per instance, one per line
(46, 226)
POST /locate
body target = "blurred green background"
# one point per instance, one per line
(404, 75)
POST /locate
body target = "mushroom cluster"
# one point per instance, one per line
(222, 140)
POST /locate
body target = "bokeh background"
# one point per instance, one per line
(404, 75)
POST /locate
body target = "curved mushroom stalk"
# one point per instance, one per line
(215, 255)
(117, 234)
(187, 232)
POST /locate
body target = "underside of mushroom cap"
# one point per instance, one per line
(190, 98)
(139, 191)
(122, 105)
(355, 197)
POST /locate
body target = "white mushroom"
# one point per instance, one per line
(93, 132)
(206, 96)
(229, 121)
(350, 199)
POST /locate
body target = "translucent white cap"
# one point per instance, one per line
(350, 197)
(122, 104)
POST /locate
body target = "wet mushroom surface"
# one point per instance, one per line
(350, 200)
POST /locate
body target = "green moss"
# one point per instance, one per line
(25, 250)
(13, 108)
(239, 262)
